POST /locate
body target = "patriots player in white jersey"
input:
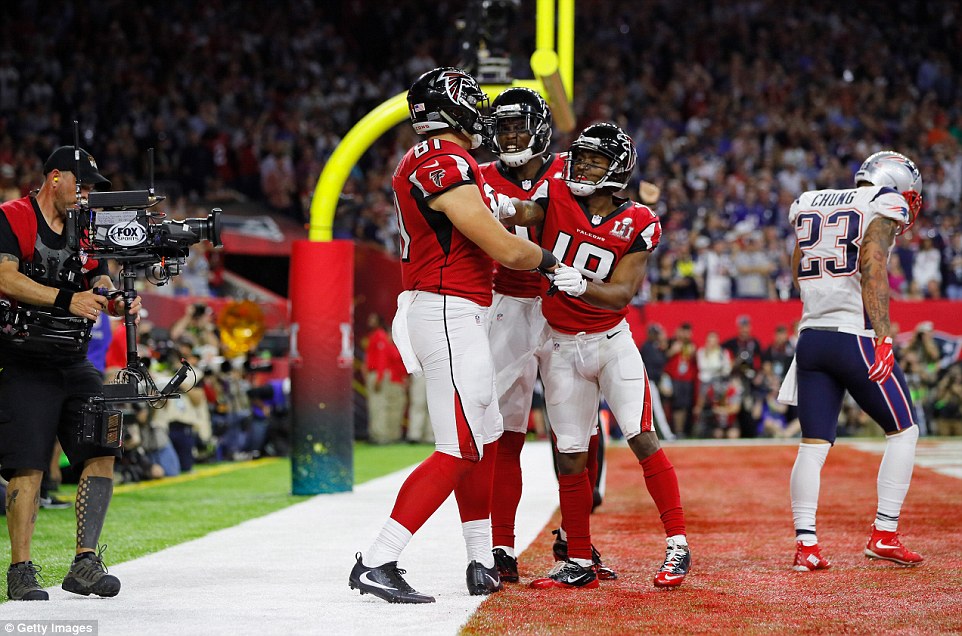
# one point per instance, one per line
(840, 261)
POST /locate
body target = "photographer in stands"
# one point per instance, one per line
(46, 377)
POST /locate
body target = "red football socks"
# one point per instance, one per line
(506, 492)
(575, 495)
(662, 483)
(593, 460)
(423, 492)
(473, 492)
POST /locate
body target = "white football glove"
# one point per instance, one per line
(502, 207)
(570, 281)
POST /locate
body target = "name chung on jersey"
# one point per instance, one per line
(830, 226)
(832, 198)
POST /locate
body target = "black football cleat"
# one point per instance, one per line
(482, 580)
(560, 552)
(385, 582)
(567, 575)
(507, 565)
(560, 546)
(603, 571)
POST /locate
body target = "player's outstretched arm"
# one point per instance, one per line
(528, 213)
(873, 265)
(466, 209)
(624, 284)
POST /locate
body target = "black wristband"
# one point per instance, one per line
(63, 300)
(548, 260)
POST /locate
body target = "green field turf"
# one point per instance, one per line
(150, 516)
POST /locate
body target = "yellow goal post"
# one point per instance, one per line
(552, 63)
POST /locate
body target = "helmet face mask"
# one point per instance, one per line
(609, 141)
(588, 169)
(518, 112)
(896, 171)
(449, 98)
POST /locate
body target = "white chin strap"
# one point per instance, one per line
(516, 159)
(582, 188)
(476, 138)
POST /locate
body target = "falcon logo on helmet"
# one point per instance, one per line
(524, 104)
(453, 83)
(896, 171)
(610, 141)
(449, 98)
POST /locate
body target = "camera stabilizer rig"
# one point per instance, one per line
(120, 226)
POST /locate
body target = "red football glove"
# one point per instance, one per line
(884, 360)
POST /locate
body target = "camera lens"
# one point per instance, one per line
(207, 229)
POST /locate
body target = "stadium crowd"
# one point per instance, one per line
(735, 108)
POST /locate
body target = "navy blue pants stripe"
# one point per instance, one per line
(828, 364)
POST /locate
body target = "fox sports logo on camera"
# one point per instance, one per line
(127, 234)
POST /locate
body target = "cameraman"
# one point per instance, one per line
(43, 384)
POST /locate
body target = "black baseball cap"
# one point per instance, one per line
(63, 159)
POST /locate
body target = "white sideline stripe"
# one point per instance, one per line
(286, 573)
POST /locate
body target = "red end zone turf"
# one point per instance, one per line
(740, 530)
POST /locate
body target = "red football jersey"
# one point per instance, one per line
(592, 244)
(513, 282)
(435, 256)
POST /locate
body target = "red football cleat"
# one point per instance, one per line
(808, 558)
(886, 546)
(675, 568)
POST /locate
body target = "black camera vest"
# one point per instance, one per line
(61, 268)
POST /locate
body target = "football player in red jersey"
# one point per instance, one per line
(516, 328)
(603, 242)
(449, 234)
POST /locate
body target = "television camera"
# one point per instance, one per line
(118, 226)
(486, 28)
(121, 227)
